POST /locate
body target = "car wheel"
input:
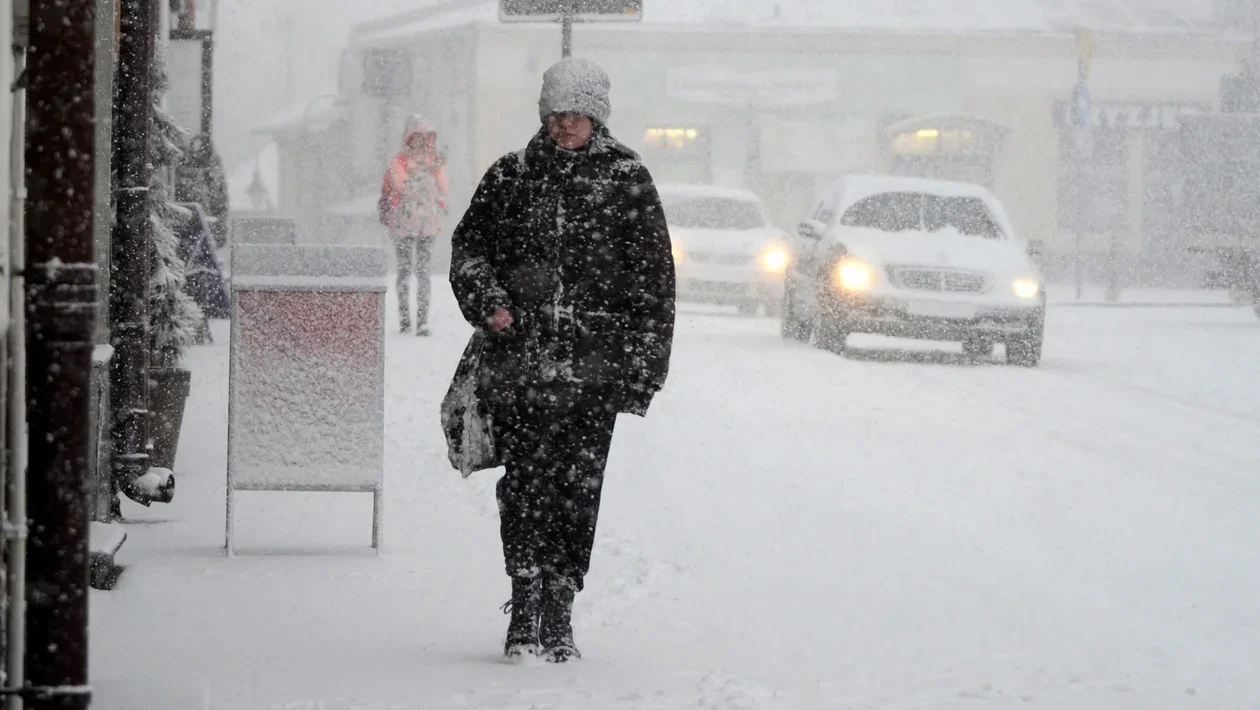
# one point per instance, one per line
(791, 326)
(748, 308)
(977, 347)
(830, 332)
(1025, 351)
(774, 309)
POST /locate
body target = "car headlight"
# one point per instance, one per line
(774, 260)
(853, 275)
(1026, 288)
(678, 252)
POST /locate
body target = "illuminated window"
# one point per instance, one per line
(670, 138)
(932, 141)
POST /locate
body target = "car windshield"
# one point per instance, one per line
(916, 211)
(712, 213)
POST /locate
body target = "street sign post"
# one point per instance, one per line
(566, 12)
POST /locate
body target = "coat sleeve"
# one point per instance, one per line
(651, 296)
(473, 279)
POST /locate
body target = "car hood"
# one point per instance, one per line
(747, 242)
(947, 248)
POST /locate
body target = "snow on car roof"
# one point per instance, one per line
(873, 184)
(852, 188)
(696, 190)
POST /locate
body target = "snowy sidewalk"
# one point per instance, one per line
(789, 529)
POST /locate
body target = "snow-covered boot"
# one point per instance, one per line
(556, 627)
(522, 635)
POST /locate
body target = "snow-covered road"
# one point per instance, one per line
(900, 528)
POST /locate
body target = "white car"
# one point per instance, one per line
(914, 258)
(725, 250)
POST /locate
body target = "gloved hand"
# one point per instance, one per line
(637, 399)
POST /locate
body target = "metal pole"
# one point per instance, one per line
(188, 16)
(566, 32)
(15, 648)
(129, 285)
(61, 309)
(1080, 264)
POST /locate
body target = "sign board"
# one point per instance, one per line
(766, 89)
(1124, 116)
(307, 391)
(579, 10)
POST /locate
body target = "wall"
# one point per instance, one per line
(1021, 92)
(6, 132)
(1014, 79)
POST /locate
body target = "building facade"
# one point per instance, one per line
(786, 106)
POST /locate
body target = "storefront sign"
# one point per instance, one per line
(732, 87)
(1125, 116)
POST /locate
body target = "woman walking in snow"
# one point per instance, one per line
(412, 205)
(564, 259)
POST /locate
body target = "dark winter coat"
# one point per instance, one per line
(575, 246)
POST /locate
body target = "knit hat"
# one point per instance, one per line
(575, 86)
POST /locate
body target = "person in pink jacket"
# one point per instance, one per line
(413, 207)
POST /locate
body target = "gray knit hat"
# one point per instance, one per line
(576, 86)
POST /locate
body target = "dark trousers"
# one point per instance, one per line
(549, 497)
(414, 255)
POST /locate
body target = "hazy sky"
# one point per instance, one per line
(272, 56)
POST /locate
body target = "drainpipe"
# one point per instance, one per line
(15, 419)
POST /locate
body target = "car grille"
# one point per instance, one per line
(940, 280)
(722, 259)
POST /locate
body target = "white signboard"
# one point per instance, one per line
(184, 99)
(578, 10)
(1115, 115)
(733, 87)
(306, 410)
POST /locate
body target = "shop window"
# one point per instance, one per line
(678, 153)
(959, 148)
(674, 138)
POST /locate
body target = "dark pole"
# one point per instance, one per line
(188, 16)
(129, 287)
(61, 308)
(566, 32)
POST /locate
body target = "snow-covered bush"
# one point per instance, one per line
(175, 320)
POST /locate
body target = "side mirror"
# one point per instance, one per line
(1034, 249)
(811, 229)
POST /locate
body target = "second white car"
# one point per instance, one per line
(725, 250)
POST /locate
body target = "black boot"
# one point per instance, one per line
(522, 635)
(556, 627)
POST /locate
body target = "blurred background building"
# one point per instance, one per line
(783, 96)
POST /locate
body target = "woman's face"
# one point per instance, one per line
(422, 143)
(570, 131)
